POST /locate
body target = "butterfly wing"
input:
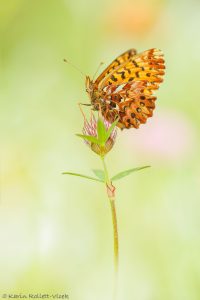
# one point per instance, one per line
(125, 57)
(133, 103)
(128, 89)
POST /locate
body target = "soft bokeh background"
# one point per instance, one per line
(56, 231)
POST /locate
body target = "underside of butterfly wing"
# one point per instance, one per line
(126, 91)
(146, 66)
(133, 104)
(119, 61)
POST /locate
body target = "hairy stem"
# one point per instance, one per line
(111, 196)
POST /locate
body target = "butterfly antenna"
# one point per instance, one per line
(75, 67)
(97, 70)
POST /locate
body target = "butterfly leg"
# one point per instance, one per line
(80, 107)
(85, 104)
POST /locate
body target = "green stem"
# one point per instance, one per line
(107, 180)
(111, 198)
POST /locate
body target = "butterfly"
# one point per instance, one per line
(125, 89)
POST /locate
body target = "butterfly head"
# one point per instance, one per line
(90, 89)
(89, 85)
(94, 93)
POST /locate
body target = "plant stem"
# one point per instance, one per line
(111, 196)
(107, 179)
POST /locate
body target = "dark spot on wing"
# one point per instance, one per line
(122, 74)
(112, 104)
(132, 115)
(135, 64)
(113, 78)
(137, 74)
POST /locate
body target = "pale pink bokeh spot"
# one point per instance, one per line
(168, 135)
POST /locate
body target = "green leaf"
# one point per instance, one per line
(89, 138)
(127, 172)
(100, 174)
(101, 130)
(108, 133)
(81, 175)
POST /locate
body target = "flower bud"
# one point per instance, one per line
(104, 143)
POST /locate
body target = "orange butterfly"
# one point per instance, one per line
(125, 88)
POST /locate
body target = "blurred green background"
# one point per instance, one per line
(55, 230)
